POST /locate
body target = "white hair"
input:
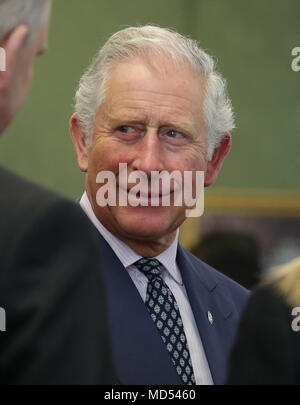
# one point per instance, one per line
(152, 40)
(17, 12)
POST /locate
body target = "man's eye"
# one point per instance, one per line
(174, 134)
(126, 129)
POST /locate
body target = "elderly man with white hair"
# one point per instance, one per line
(152, 102)
(52, 317)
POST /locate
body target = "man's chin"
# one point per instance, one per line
(144, 227)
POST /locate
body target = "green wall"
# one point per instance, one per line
(252, 41)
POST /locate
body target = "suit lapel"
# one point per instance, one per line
(140, 355)
(206, 296)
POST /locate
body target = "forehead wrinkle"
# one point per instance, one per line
(126, 114)
(150, 113)
(142, 96)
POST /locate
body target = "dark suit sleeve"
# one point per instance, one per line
(263, 349)
(54, 301)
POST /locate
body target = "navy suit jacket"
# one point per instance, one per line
(139, 353)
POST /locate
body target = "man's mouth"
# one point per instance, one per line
(145, 197)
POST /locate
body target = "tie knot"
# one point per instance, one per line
(148, 266)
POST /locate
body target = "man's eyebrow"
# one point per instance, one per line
(136, 116)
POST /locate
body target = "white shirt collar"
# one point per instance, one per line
(124, 253)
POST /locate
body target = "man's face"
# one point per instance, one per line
(152, 121)
(19, 73)
(35, 47)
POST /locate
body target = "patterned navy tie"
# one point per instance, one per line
(164, 312)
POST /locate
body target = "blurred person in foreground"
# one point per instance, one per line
(267, 346)
(152, 101)
(53, 324)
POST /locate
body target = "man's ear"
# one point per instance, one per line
(79, 140)
(12, 43)
(214, 165)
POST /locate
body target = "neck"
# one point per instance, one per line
(5, 118)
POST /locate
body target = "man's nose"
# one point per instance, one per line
(149, 156)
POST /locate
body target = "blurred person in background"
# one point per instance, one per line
(53, 321)
(235, 254)
(267, 346)
(152, 100)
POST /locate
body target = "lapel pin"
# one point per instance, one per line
(210, 317)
